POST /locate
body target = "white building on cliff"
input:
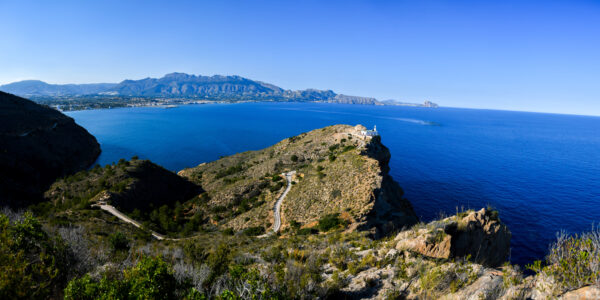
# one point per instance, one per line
(370, 132)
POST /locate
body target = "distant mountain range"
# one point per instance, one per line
(181, 85)
(30, 88)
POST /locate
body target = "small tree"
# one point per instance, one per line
(329, 222)
(118, 241)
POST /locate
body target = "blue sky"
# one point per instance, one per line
(516, 55)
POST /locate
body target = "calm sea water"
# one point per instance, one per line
(541, 171)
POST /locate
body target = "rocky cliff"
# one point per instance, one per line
(479, 235)
(38, 145)
(338, 171)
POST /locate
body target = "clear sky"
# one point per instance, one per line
(516, 55)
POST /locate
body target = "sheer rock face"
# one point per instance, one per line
(338, 171)
(38, 145)
(479, 235)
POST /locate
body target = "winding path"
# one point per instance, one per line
(113, 211)
(277, 208)
(276, 213)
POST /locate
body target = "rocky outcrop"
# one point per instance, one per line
(479, 235)
(38, 145)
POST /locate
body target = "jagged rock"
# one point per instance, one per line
(372, 283)
(38, 145)
(487, 286)
(478, 234)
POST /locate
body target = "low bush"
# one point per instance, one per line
(150, 278)
(254, 231)
(329, 222)
(118, 241)
(573, 261)
(30, 260)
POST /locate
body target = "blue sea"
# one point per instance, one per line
(541, 171)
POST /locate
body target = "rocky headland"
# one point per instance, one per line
(338, 171)
(37, 146)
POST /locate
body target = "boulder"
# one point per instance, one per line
(479, 235)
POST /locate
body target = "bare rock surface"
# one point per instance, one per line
(479, 235)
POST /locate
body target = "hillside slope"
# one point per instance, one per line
(128, 185)
(338, 172)
(38, 145)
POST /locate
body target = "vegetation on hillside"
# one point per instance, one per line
(71, 249)
(573, 261)
(336, 173)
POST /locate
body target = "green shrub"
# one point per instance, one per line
(573, 261)
(295, 225)
(229, 171)
(336, 194)
(150, 278)
(329, 222)
(118, 241)
(218, 261)
(294, 158)
(254, 231)
(30, 261)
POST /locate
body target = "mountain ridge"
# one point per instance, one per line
(188, 86)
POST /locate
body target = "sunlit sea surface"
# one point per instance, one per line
(541, 171)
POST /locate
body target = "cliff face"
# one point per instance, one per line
(38, 145)
(479, 235)
(338, 171)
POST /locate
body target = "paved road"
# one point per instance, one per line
(112, 210)
(277, 208)
(276, 212)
